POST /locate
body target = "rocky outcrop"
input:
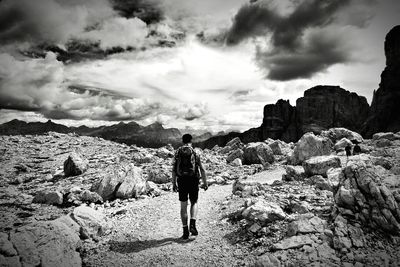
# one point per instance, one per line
(363, 195)
(321, 108)
(75, 164)
(385, 108)
(320, 165)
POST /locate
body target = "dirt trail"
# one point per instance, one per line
(149, 233)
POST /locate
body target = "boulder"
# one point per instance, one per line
(159, 175)
(293, 242)
(310, 146)
(133, 184)
(6, 247)
(295, 173)
(164, 153)
(362, 191)
(152, 189)
(263, 212)
(258, 153)
(320, 182)
(306, 226)
(245, 187)
(48, 197)
(236, 162)
(342, 144)
(388, 136)
(46, 244)
(78, 196)
(75, 164)
(267, 260)
(114, 176)
(336, 134)
(320, 165)
(235, 142)
(90, 221)
(235, 154)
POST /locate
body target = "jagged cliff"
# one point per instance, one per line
(321, 108)
(384, 114)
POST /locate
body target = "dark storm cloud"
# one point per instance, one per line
(150, 11)
(294, 53)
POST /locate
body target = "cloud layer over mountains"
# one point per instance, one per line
(185, 63)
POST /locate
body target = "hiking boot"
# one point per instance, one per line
(185, 232)
(193, 229)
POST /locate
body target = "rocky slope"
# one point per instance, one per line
(385, 108)
(112, 203)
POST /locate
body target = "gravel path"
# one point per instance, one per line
(149, 234)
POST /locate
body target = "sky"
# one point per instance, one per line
(207, 65)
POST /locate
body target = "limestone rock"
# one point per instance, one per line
(91, 222)
(48, 197)
(342, 144)
(6, 247)
(75, 164)
(236, 162)
(388, 136)
(336, 134)
(160, 175)
(383, 115)
(258, 153)
(306, 226)
(310, 146)
(293, 242)
(363, 192)
(294, 173)
(263, 212)
(320, 165)
(133, 184)
(48, 244)
(235, 154)
(267, 260)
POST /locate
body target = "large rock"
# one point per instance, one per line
(263, 212)
(133, 185)
(363, 194)
(306, 226)
(77, 196)
(336, 134)
(388, 136)
(342, 144)
(310, 146)
(114, 177)
(159, 175)
(258, 153)
(295, 173)
(75, 164)
(235, 154)
(385, 108)
(48, 197)
(320, 165)
(293, 242)
(91, 222)
(47, 244)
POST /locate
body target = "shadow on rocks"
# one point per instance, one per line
(138, 245)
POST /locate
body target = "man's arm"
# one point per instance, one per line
(174, 184)
(203, 175)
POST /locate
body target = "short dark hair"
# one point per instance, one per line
(186, 138)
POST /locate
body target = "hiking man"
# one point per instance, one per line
(185, 180)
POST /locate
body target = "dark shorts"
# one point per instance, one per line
(188, 189)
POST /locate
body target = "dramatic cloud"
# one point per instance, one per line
(49, 20)
(298, 47)
(149, 11)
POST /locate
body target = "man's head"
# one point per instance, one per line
(186, 138)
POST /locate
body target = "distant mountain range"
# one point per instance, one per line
(153, 135)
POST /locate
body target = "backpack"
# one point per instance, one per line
(186, 162)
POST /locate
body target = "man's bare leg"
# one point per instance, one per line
(193, 211)
(184, 218)
(193, 216)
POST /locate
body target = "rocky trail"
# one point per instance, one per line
(148, 234)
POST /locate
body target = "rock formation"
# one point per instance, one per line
(321, 108)
(385, 107)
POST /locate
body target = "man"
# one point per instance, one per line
(185, 180)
